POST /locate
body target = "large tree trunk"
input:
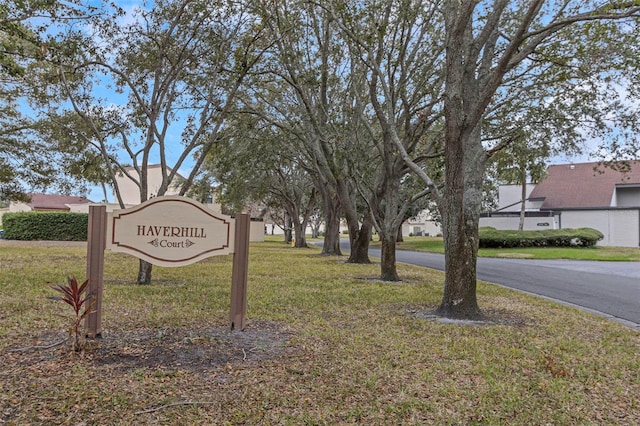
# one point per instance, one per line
(388, 270)
(389, 224)
(461, 252)
(360, 243)
(359, 234)
(144, 268)
(288, 236)
(300, 237)
(461, 215)
(331, 246)
(144, 272)
(315, 229)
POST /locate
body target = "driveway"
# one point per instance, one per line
(610, 289)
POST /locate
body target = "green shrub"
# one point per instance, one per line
(47, 226)
(581, 237)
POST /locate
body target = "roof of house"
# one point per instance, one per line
(584, 185)
(54, 201)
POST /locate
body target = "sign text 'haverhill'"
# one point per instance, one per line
(170, 231)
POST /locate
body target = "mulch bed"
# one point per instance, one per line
(185, 348)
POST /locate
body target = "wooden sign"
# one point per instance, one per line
(167, 231)
(170, 231)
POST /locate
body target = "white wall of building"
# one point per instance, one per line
(627, 197)
(426, 228)
(624, 228)
(79, 208)
(512, 222)
(256, 231)
(511, 195)
(423, 224)
(19, 207)
(621, 228)
(130, 192)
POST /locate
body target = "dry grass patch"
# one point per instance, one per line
(515, 255)
(323, 347)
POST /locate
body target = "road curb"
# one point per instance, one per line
(610, 317)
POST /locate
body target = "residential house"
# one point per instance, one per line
(576, 196)
(422, 225)
(49, 203)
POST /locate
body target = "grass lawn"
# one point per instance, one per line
(434, 244)
(326, 344)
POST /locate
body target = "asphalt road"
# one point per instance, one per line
(611, 289)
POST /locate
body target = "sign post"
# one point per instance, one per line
(167, 231)
(96, 237)
(237, 315)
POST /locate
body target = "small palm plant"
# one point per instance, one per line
(74, 295)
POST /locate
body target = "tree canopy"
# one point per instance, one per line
(26, 162)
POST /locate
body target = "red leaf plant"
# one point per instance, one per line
(74, 295)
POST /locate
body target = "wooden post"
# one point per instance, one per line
(96, 243)
(240, 272)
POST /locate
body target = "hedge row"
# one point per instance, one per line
(581, 237)
(45, 226)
